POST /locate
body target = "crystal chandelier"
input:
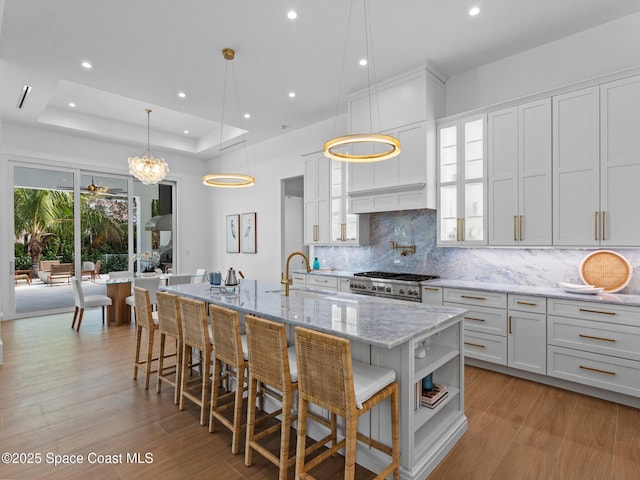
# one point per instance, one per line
(147, 168)
(383, 147)
(228, 180)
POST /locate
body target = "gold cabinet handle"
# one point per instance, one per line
(521, 230)
(315, 233)
(343, 232)
(604, 225)
(475, 319)
(510, 330)
(458, 229)
(595, 223)
(515, 231)
(530, 304)
(597, 370)
(586, 310)
(431, 289)
(604, 339)
(475, 345)
(462, 229)
(472, 297)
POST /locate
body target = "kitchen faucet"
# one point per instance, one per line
(285, 276)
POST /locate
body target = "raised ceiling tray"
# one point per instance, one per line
(606, 269)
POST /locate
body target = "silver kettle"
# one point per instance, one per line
(231, 278)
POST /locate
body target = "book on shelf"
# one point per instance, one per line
(431, 397)
(440, 399)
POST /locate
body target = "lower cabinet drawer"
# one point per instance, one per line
(596, 337)
(490, 348)
(483, 319)
(602, 371)
(322, 281)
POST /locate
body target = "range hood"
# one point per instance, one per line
(159, 222)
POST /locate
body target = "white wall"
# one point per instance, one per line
(269, 162)
(606, 49)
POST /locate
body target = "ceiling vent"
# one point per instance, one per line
(26, 89)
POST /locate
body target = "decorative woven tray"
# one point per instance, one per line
(606, 269)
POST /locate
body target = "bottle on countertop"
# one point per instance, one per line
(316, 263)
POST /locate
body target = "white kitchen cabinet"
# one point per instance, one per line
(596, 165)
(344, 284)
(317, 174)
(620, 162)
(462, 177)
(527, 334)
(519, 174)
(346, 228)
(324, 282)
(299, 280)
(432, 295)
(594, 344)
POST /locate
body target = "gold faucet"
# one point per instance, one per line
(285, 276)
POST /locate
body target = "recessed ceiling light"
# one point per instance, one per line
(292, 15)
(292, 94)
(247, 115)
(72, 105)
(87, 65)
(186, 132)
(474, 11)
(362, 62)
(182, 94)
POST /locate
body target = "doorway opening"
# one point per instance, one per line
(292, 221)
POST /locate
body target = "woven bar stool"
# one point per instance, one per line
(272, 365)
(228, 350)
(195, 335)
(328, 377)
(169, 325)
(146, 320)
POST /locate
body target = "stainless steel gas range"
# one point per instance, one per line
(402, 286)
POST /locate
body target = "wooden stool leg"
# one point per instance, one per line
(136, 359)
(302, 437)
(251, 419)
(75, 315)
(351, 435)
(179, 371)
(215, 387)
(150, 334)
(285, 434)
(161, 363)
(395, 432)
(187, 352)
(205, 387)
(237, 411)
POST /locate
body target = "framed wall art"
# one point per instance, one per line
(233, 233)
(248, 232)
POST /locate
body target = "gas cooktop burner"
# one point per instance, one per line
(405, 277)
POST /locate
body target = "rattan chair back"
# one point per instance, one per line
(194, 323)
(227, 343)
(143, 307)
(267, 348)
(325, 375)
(169, 314)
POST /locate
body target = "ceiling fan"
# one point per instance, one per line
(93, 188)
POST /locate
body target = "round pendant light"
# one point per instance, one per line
(147, 168)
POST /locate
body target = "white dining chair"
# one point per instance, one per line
(149, 283)
(88, 301)
(200, 275)
(120, 275)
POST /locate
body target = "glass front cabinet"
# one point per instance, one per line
(462, 188)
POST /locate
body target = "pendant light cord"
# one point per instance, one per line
(344, 62)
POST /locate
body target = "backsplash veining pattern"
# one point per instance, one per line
(543, 267)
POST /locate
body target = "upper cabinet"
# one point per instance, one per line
(519, 164)
(462, 189)
(620, 162)
(404, 107)
(597, 166)
(326, 220)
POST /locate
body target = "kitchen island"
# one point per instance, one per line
(413, 339)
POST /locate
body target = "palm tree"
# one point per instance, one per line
(44, 215)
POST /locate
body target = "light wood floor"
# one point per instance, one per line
(68, 393)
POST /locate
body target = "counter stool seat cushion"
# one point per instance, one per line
(369, 380)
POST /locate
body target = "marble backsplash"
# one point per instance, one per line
(543, 267)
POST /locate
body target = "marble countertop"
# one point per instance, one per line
(327, 271)
(381, 322)
(612, 298)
